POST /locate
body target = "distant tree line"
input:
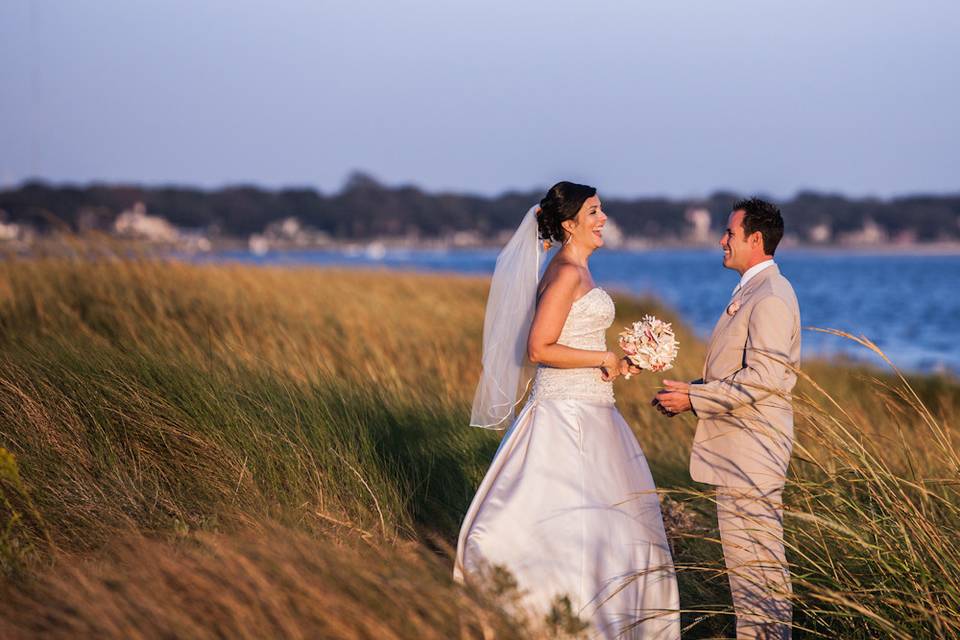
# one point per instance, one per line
(364, 208)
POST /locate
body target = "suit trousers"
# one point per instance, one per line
(751, 532)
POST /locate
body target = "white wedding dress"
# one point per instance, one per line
(568, 505)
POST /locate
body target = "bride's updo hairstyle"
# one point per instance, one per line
(562, 203)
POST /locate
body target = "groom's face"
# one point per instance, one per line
(736, 249)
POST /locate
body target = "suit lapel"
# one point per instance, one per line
(725, 317)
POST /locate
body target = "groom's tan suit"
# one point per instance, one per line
(743, 443)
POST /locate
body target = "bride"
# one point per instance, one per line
(568, 505)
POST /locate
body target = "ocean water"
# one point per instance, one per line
(909, 305)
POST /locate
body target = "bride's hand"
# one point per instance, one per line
(610, 366)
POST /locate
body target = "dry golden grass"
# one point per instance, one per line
(272, 583)
(265, 421)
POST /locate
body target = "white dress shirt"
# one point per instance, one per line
(750, 273)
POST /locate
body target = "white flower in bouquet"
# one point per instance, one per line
(650, 344)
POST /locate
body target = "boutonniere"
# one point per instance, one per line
(733, 307)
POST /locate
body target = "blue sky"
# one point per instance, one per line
(672, 98)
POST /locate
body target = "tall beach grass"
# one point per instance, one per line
(298, 437)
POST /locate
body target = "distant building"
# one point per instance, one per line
(870, 234)
(258, 244)
(194, 242)
(287, 233)
(637, 243)
(612, 234)
(466, 239)
(136, 223)
(290, 227)
(820, 233)
(9, 232)
(699, 231)
(15, 235)
(376, 250)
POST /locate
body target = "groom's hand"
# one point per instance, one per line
(674, 398)
(659, 407)
(627, 367)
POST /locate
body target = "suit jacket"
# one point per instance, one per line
(745, 431)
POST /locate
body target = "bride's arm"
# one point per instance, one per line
(552, 311)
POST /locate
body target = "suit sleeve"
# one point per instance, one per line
(769, 338)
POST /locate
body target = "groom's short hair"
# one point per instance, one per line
(760, 215)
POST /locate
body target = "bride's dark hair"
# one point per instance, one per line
(562, 203)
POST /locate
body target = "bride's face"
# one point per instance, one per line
(586, 229)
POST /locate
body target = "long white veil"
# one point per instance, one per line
(510, 306)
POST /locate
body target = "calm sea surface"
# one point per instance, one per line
(909, 305)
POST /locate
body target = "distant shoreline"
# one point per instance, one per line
(377, 248)
(391, 244)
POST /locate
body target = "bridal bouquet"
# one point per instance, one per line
(650, 344)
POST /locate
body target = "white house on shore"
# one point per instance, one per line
(287, 233)
(13, 234)
(136, 223)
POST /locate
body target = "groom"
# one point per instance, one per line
(745, 429)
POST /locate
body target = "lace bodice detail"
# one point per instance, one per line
(585, 328)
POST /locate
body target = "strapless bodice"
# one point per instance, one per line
(585, 328)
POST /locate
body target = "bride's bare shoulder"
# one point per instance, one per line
(562, 277)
